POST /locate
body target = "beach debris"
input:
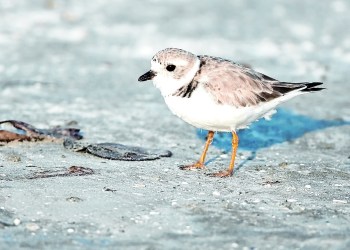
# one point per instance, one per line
(116, 151)
(106, 189)
(26, 132)
(74, 199)
(21, 131)
(271, 182)
(71, 171)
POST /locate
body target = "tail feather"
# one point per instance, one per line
(310, 87)
(285, 87)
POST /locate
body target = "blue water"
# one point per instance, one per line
(284, 126)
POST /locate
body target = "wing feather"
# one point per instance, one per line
(234, 84)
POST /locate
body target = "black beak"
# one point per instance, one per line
(147, 76)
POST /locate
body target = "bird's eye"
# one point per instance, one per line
(170, 67)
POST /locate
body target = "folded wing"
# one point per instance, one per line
(234, 84)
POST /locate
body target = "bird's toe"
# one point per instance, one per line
(197, 165)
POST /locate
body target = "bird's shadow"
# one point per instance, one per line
(284, 126)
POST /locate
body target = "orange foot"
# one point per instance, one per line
(221, 174)
(197, 165)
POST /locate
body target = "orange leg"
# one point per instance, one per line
(200, 164)
(229, 171)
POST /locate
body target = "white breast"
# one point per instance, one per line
(202, 111)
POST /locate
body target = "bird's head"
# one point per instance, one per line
(172, 69)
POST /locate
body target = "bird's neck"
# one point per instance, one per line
(169, 87)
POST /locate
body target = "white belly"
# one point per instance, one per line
(202, 111)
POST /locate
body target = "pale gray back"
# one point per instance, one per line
(235, 84)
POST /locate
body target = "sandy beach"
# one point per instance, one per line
(76, 63)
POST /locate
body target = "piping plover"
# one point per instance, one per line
(217, 94)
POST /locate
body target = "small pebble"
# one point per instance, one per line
(74, 199)
(283, 164)
(139, 185)
(13, 158)
(32, 227)
(16, 222)
(216, 193)
(70, 230)
(307, 186)
(234, 245)
(340, 201)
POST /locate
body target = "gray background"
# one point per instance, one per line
(65, 61)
